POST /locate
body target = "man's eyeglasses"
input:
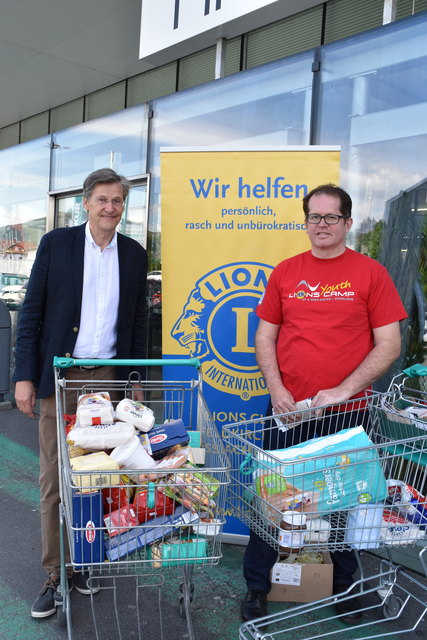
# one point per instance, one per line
(116, 202)
(329, 218)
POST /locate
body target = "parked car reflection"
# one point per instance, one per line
(13, 295)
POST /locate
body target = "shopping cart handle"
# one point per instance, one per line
(416, 370)
(66, 363)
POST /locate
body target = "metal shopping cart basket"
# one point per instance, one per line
(133, 526)
(342, 467)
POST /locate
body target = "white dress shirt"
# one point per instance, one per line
(100, 301)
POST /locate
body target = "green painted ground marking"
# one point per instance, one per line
(19, 472)
(15, 620)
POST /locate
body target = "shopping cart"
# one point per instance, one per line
(164, 519)
(354, 481)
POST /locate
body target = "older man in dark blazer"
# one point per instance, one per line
(85, 299)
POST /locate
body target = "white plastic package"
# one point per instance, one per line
(102, 436)
(136, 413)
(94, 408)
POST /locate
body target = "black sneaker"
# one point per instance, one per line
(85, 583)
(44, 605)
(254, 605)
(349, 611)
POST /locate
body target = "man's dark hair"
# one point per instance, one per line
(330, 190)
(104, 176)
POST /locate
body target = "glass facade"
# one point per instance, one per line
(368, 95)
(372, 102)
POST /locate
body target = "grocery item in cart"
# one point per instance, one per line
(174, 460)
(397, 530)
(120, 520)
(411, 503)
(70, 423)
(100, 464)
(135, 413)
(132, 455)
(151, 502)
(363, 526)
(94, 408)
(101, 436)
(195, 490)
(114, 497)
(157, 529)
(88, 538)
(165, 436)
(318, 531)
(177, 552)
(328, 473)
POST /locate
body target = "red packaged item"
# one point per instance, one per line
(151, 502)
(114, 498)
(120, 520)
(70, 421)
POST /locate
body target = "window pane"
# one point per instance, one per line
(373, 103)
(118, 141)
(24, 185)
(269, 105)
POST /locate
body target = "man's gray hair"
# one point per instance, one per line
(104, 176)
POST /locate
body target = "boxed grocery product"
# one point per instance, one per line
(197, 455)
(177, 552)
(88, 536)
(301, 582)
(165, 436)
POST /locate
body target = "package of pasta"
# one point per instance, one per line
(94, 408)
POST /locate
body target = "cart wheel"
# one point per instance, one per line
(61, 616)
(392, 606)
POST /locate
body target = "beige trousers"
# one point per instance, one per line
(49, 482)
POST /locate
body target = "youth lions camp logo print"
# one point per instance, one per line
(218, 325)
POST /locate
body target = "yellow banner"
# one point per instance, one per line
(229, 217)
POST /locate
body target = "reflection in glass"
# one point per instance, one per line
(373, 100)
(118, 141)
(24, 185)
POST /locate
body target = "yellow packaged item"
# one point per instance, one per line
(99, 463)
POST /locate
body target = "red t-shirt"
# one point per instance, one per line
(326, 309)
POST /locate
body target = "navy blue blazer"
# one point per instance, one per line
(49, 319)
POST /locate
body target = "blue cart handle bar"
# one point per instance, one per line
(65, 363)
(416, 370)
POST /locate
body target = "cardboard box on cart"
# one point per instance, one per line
(301, 582)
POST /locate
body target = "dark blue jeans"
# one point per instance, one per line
(259, 557)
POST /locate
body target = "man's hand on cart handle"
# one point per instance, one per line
(283, 402)
(25, 397)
